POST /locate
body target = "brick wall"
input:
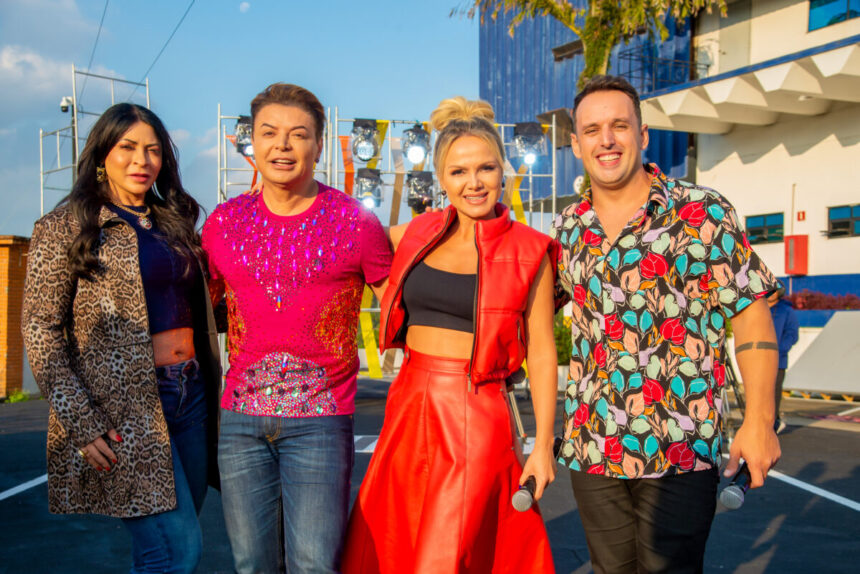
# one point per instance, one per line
(13, 266)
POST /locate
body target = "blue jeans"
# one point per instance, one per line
(171, 541)
(285, 490)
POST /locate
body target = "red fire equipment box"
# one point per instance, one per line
(796, 254)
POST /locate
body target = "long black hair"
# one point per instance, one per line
(174, 210)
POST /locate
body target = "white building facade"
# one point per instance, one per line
(776, 113)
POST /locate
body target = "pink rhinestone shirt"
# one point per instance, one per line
(293, 286)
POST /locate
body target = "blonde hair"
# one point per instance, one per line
(456, 117)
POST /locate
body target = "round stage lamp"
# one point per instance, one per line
(419, 190)
(368, 187)
(365, 145)
(416, 143)
(243, 137)
(529, 142)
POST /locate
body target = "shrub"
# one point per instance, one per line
(807, 299)
(18, 397)
(563, 343)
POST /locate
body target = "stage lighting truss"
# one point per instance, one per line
(416, 144)
(365, 139)
(243, 137)
(420, 191)
(529, 142)
(368, 187)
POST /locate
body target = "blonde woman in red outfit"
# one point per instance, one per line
(469, 296)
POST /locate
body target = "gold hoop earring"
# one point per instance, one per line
(101, 174)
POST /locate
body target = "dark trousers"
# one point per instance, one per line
(646, 525)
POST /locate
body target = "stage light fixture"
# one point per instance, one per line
(365, 144)
(529, 142)
(243, 137)
(368, 187)
(419, 190)
(416, 143)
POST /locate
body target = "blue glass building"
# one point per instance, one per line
(536, 71)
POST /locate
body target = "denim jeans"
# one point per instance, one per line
(171, 541)
(285, 490)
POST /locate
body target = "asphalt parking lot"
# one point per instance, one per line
(806, 519)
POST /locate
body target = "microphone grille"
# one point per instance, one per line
(732, 497)
(522, 500)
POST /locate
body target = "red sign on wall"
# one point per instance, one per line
(796, 254)
(801, 216)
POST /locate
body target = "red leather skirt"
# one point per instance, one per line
(436, 498)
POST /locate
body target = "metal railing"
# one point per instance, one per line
(648, 72)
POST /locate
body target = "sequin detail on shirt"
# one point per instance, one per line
(337, 327)
(285, 386)
(293, 286)
(283, 259)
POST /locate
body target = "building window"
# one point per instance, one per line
(766, 228)
(823, 13)
(843, 221)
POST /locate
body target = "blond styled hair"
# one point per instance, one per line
(456, 117)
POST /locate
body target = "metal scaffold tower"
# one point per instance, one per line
(81, 120)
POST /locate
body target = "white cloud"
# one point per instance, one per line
(244, 7)
(211, 152)
(28, 70)
(208, 137)
(36, 23)
(31, 84)
(180, 136)
(21, 206)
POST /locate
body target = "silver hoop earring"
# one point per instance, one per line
(156, 192)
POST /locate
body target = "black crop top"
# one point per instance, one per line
(436, 298)
(165, 285)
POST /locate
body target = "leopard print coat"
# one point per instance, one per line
(91, 354)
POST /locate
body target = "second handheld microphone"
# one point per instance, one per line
(524, 498)
(732, 496)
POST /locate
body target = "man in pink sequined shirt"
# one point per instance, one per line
(293, 285)
(292, 263)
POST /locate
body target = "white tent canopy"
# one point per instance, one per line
(831, 364)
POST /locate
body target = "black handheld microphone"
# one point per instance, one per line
(732, 496)
(524, 498)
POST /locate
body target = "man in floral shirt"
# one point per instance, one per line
(654, 266)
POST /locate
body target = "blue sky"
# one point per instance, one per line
(382, 59)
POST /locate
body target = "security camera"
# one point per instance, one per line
(66, 103)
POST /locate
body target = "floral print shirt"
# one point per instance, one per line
(648, 329)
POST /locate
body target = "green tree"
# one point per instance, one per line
(600, 25)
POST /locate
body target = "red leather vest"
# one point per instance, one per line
(509, 256)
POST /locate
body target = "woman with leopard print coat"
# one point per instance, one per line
(121, 339)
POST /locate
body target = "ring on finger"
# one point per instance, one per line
(82, 452)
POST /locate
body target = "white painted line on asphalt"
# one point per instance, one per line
(22, 487)
(527, 448)
(849, 411)
(370, 446)
(364, 445)
(815, 490)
